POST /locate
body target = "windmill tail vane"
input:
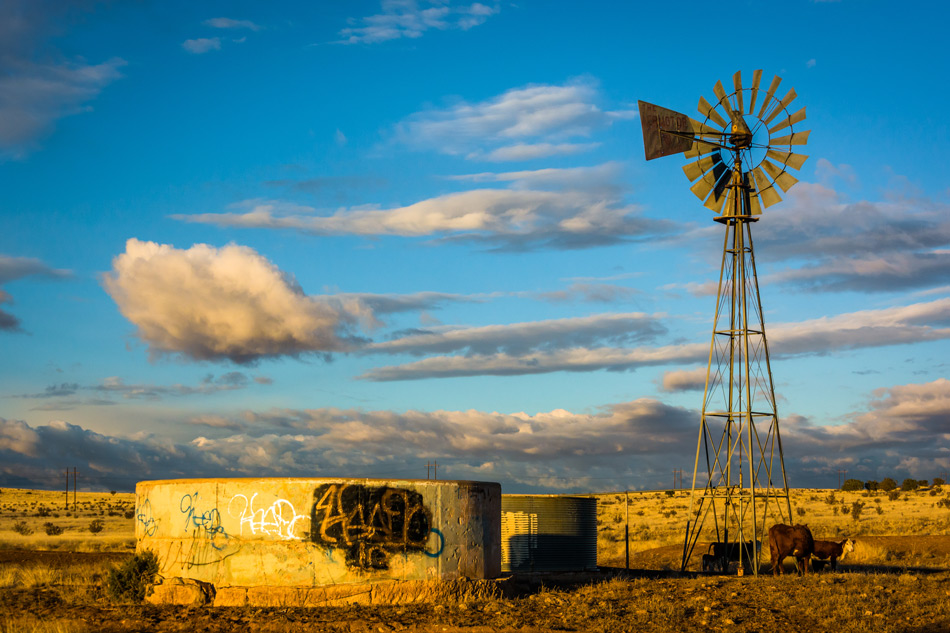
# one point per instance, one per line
(740, 153)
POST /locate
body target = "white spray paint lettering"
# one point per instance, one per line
(278, 519)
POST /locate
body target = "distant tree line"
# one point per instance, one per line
(887, 484)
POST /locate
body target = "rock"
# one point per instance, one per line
(182, 591)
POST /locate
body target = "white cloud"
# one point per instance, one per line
(522, 123)
(406, 18)
(35, 92)
(229, 303)
(13, 268)
(512, 219)
(230, 23)
(518, 338)
(914, 323)
(202, 45)
(684, 379)
(532, 151)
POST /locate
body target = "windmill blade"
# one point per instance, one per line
(767, 192)
(798, 117)
(796, 138)
(709, 112)
(756, 78)
(768, 95)
(753, 206)
(715, 202)
(737, 83)
(724, 99)
(787, 99)
(709, 180)
(701, 166)
(700, 149)
(795, 161)
(782, 178)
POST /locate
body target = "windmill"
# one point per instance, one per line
(741, 154)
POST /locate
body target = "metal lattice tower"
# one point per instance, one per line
(739, 485)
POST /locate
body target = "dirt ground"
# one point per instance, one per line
(906, 589)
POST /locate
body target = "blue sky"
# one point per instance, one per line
(347, 239)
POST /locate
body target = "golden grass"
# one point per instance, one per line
(657, 519)
(35, 508)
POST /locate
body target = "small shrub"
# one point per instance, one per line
(879, 509)
(845, 510)
(43, 512)
(834, 510)
(129, 514)
(856, 508)
(96, 526)
(670, 493)
(640, 513)
(830, 499)
(21, 528)
(800, 511)
(894, 495)
(129, 581)
(944, 503)
(908, 485)
(52, 529)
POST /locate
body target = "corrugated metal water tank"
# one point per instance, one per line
(548, 533)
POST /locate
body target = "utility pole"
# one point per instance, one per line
(626, 529)
(74, 488)
(67, 489)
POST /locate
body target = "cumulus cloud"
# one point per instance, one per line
(231, 303)
(915, 323)
(411, 19)
(522, 123)
(34, 94)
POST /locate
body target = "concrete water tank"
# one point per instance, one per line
(230, 536)
(548, 533)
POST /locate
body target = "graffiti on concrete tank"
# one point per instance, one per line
(144, 516)
(203, 524)
(370, 524)
(279, 519)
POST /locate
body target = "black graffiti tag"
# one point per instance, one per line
(369, 524)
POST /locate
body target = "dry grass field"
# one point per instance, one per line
(897, 581)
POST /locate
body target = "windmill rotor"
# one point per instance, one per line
(742, 150)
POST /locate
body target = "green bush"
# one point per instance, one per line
(894, 495)
(872, 485)
(888, 484)
(96, 526)
(129, 581)
(938, 481)
(909, 484)
(856, 509)
(52, 529)
(20, 527)
(853, 484)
